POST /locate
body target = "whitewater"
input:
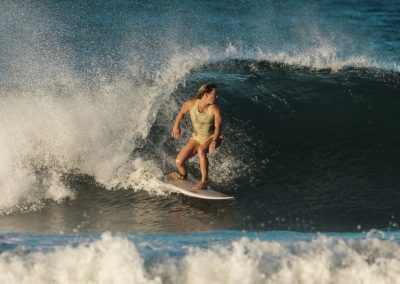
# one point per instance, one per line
(274, 257)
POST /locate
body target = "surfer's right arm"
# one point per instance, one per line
(176, 131)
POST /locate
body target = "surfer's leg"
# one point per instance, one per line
(188, 151)
(202, 152)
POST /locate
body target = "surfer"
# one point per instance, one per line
(206, 137)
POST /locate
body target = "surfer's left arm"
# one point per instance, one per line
(217, 123)
(218, 126)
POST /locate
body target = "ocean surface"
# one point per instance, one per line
(310, 96)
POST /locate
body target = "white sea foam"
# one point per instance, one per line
(322, 56)
(53, 123)
(116, 260)
(93, 132)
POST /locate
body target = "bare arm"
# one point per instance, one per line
(217, 122)
(217, 131)
(176, 131)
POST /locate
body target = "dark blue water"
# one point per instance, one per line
(309, 93)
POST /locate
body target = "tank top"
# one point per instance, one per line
(202, 122)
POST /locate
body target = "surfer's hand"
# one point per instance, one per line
(215, 144)
(212, 147)
(176, 132)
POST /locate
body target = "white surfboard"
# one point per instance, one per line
(185, 187)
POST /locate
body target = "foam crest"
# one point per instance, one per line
(111, 259)
(115, 259)
(321, 56)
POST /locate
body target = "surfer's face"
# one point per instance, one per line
(212, 96)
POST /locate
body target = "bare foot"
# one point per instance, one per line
(200, 185)
(176, 175)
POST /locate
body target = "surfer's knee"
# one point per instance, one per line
(202, 152)
(179, 162)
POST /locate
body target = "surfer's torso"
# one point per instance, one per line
(202, 122)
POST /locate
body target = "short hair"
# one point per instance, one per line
(205, 88)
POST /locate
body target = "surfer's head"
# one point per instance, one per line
(209, 91)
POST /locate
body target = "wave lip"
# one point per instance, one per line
(324, 259)
(319, 57)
